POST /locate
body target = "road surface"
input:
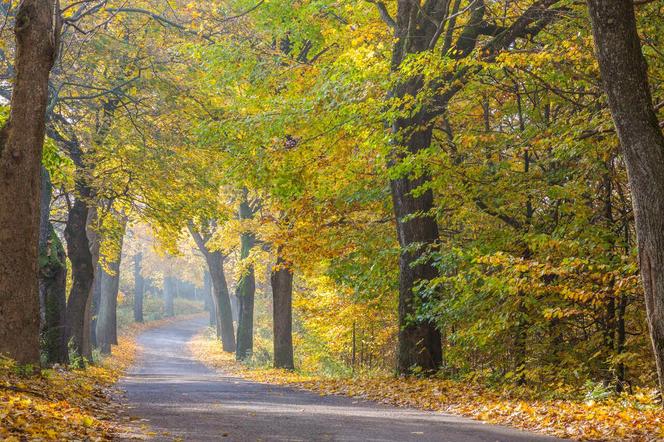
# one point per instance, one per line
(182, 399)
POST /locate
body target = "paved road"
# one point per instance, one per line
(183, 399)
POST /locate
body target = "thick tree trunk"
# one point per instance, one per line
(83, 255)
(139, 288)
(37, 32)
(246, 290)
(169, 294)
(419, 340)
(282, 314)
(52, 284)
(221, 301)
(107, 334)
(624, 74)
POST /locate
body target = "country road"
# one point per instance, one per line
(182, 399)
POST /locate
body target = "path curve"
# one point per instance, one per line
(182, 399)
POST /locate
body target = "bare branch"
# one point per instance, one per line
(384, 14)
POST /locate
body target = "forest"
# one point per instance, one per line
(447, 205)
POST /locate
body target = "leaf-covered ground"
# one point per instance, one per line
(635, 417)
(66, 404)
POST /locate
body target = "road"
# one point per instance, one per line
(182, 399)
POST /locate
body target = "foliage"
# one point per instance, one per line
(289, 105)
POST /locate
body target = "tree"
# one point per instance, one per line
(110, 282)
(419, 30)
(282, 314)
(221, 301)
(83, 253)
(37, 31)
(246, 286)
(52, 283)
(625, 78)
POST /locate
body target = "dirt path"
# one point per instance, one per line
(182, 397)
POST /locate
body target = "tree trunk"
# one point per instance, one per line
(52, 284)
(44, 236)
(419, 340)
(139, 288)
(624, 74)
(221, 301)
(94, 304)
(246, 290)
(107, 334)
(169, 293)
(282, 314)
(83, 252)
(235, 307)
(37, 32)
(209, 305)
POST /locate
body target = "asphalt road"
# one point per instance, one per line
(182, 399)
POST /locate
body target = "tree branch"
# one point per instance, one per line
(510, 221)
(384, 14)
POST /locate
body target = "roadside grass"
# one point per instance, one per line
(634, 417)
(62, 403)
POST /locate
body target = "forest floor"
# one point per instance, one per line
(61, 403)
(635, 417)
(183, 399)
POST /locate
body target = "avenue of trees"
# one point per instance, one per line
(459, 187)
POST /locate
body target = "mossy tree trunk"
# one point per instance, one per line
(37, 31)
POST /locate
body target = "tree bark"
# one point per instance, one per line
(282, 314)
(94, 304)
(624, 74)
(419, 340)
(417, 230)
(37, 31)
(221, 301)
(107, 334)
(246, 290)
(139, 288)
(235, 307)
(83, 254)
(44, 236)
(209, 306)
(52, 284)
